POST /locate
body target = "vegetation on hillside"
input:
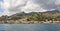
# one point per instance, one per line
(39, 17)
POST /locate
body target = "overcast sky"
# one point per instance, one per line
(9, 7)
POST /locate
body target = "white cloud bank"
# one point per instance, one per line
(15, 6)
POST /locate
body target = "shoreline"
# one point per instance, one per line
(30, 22)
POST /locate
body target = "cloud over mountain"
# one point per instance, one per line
(15, 6)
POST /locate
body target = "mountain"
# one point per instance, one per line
(28, 14)
(53, 11)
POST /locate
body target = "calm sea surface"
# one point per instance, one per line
(29, 27)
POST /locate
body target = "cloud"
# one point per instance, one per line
(15, 6)
(31, 7)
(26, 6)
(57, 2)
(48, 4)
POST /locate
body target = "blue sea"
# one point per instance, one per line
(29, 27)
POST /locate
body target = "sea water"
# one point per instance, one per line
(29, 27)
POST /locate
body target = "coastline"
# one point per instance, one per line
(30, 22)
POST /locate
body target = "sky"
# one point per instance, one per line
(1, 9)
(9, 7)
